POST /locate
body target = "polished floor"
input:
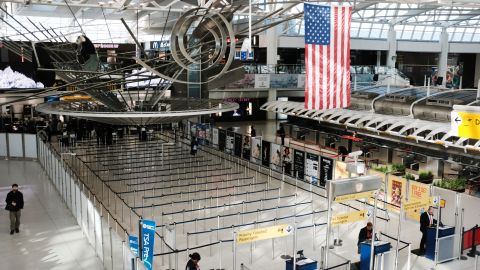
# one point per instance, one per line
(49, 236)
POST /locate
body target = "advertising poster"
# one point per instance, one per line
(301, 81)
(208, 135)
(262, 81)
(148, 238)
(287, 160)
(247, 82)
(396, 190)
(246, 147)
(229, 143)
(215, 137)
(283, 80)
(341, 170)
(312, 168)
(326, 170)
(299, 164)
(275, 157)
(201, 133)
(256, 152)
(266, 153)
(238, 144)
(417, 191)
(222, 137)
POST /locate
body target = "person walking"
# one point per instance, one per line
(253, 132)
(14, 202)
(192, 264)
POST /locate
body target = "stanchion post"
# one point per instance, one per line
(372, 245)
(234, 250)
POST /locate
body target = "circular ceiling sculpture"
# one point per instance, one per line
(168, 110)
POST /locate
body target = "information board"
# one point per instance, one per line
(299, 164)
(312, 171)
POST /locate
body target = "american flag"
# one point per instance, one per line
(327, 56)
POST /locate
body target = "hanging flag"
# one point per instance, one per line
(327, 56)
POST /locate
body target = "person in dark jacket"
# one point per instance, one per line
(192, 264)
(253, 132)
(426, 220)
(365, 234)
(193, 146)
(14, 205)
(281, 133)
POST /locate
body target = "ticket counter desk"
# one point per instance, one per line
(445, 244)
(380, 247)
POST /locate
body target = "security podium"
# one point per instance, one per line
(305, 264)
(365, 249)
(445, 243)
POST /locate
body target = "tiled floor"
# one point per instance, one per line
(49, 236)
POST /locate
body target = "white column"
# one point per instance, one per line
(272, 45)
(392, 47)
(379, 58)
(443, 57)
(272, 95)
(477, 70)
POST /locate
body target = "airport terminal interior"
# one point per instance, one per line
(240, 135)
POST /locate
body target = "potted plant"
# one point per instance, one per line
(384, 169)
(410, 177)
(425, 177)
(457, 184)
(398, 169)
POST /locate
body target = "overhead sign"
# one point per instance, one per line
(133, 241)
(466, 124)
(351, 217)
(248, 236)
(354, 185)
(148, 238)
(354, 196)
(417, 204)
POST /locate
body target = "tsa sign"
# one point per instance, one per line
(466, 124)
(133, 240)
(148, 237)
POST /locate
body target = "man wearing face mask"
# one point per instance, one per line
(14, 205)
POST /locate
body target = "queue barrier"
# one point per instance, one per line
(104, 232)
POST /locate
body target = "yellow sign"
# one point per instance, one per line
(351, 217)
(417, 204)
(466, 124)
(442, 203)
(354, 196)
(76, 98)
(417, 191)
(248, 236)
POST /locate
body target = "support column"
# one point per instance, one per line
(443, 57)
(272, 95)
(392, 47)
(272, 45)
(379, 58)
(435, 165)
(477, 70)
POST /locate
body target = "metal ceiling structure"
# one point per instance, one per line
(412, 19)
(402, 127)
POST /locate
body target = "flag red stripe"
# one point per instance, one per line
(307, 89)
